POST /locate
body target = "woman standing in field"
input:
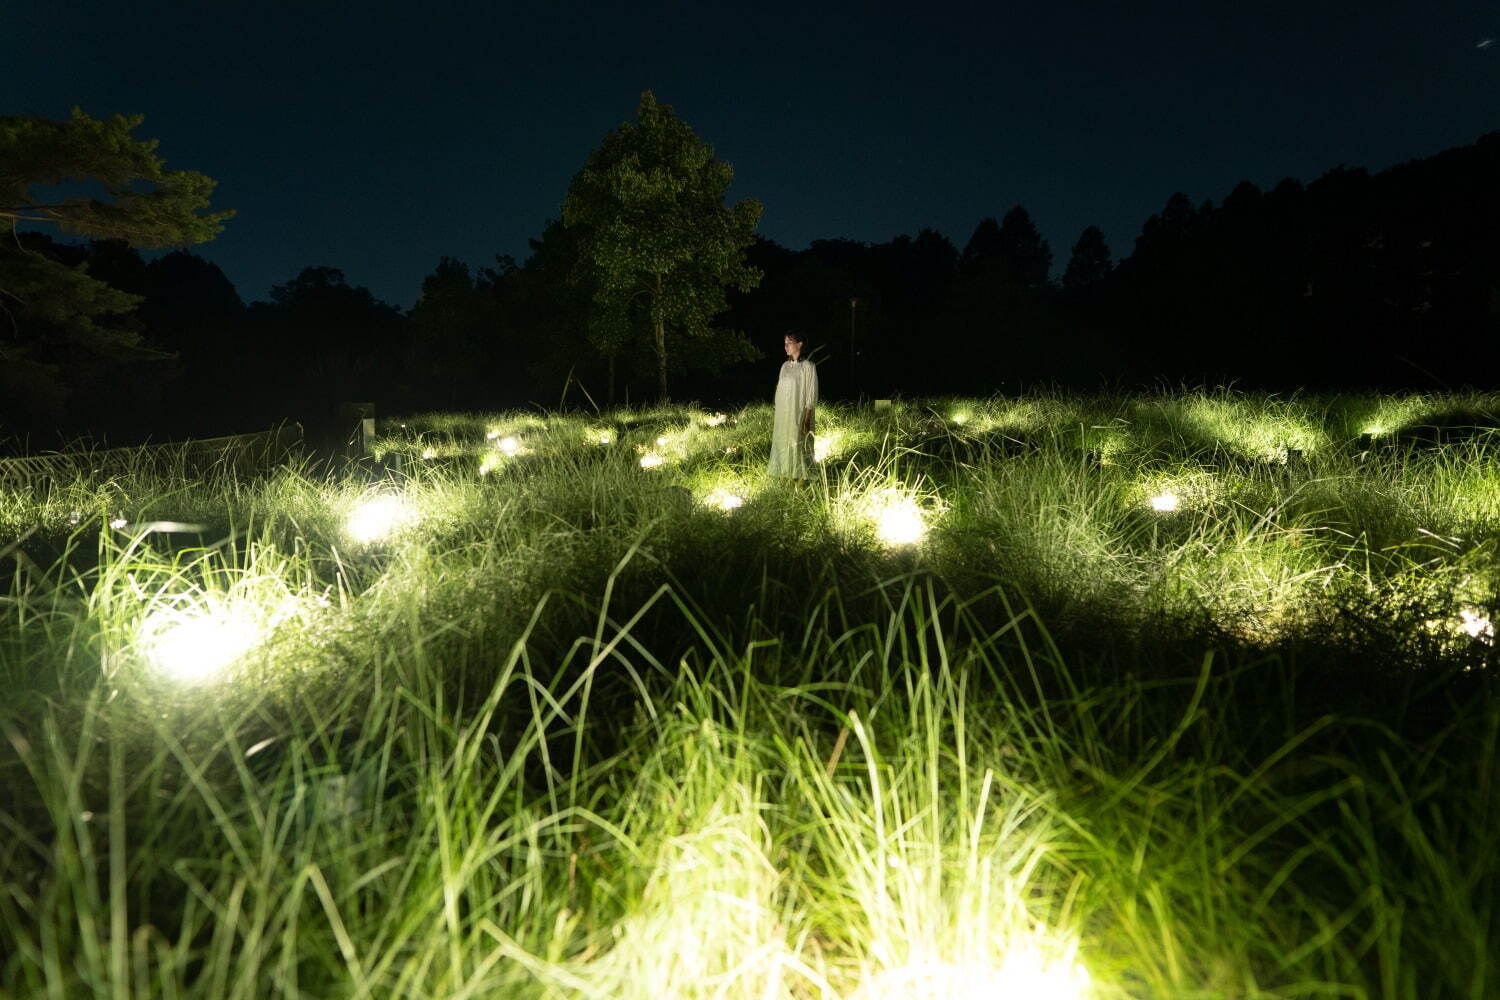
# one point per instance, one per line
(796, 399)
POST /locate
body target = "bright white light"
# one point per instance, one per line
(1165, 502)
(509, 446)
(724, 499)
(661, 442)
(1375, 430)
(960, 418)
(898, 519)
(600, 436)
(191, 647)
(1475, 624)
(491, 434)
(822, 447)
(651, 460)
(715, 419)
(118, 523)
(429, 453)
(1024, 973)
(378, 517)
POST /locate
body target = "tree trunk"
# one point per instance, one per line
(661, 344)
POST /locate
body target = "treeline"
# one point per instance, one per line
(1355, 279)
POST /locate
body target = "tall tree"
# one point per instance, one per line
(1088, 264)
(1012, 250)
(456, 327)
(56, 316)
(658, 242)
(1022, 248)
(984, 245)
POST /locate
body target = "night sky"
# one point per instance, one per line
(376, 138)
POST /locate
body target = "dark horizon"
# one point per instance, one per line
(846, 124)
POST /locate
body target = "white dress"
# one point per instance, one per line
(796, 394)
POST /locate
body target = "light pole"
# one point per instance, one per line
(853, 382)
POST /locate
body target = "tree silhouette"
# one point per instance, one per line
(985, 245)
(1089, 263)
(322, 342)
(1025, 254)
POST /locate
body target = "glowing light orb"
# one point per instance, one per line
(118, 523)
(822, 448)
(898, 519)
(725, 500)
(1165, 502)
(651, 460)
(429, 453)
(661, 442)
(1023, 973)
(376, 518)
(600, 436)
(1375, 430)
(715, 419)
(1475, 624)
(960, 418)
(192, 647)
(509, 446)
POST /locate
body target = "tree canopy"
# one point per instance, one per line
(58, 320)
(658, 245)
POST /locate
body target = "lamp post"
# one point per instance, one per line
(853, 381)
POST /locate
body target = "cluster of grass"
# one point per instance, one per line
(547, 705)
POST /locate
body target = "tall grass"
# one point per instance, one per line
(569, 728)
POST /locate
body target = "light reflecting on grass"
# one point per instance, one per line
(570, 731)
(378, 517)
(194, 645)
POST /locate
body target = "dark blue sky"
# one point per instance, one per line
(376, 137)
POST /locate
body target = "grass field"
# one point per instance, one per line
(1183, 695)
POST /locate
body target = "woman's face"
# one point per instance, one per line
(793, 348)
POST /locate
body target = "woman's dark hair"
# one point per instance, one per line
(796, 335)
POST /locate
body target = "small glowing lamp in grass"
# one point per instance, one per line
(898, 518)
(600, 436)
(960, 418)
(1475, 624)
(725, 500)
(376, 518)
(1165, 502)
(191, 647)
(509, 446)
(1023, 973)
(651, 460)
(429, 453)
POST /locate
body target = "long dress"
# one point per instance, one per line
(796, 395)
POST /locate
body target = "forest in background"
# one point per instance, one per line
(1382, 280)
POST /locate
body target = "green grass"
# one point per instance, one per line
(571, 728)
